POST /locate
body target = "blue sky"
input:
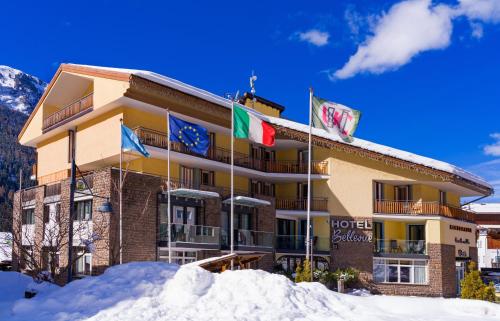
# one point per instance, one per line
(425, 75)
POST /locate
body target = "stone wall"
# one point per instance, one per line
(441, 276)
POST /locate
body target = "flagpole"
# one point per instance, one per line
(121, 196)
(232, 184)
(168, 190)
(308, 231)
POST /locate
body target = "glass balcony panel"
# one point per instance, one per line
(400, 246)
(196, 234)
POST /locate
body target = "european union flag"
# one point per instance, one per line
(193, 136)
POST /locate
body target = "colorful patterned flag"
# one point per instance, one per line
(335, 118)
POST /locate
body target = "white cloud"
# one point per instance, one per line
(314, 37)
(490, 171)
(493, 149)
(477, 30)
(409, 28)
(485, 10)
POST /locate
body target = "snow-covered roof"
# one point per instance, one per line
(485, 208)
(357, 142)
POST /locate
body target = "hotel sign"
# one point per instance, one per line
(351, 231)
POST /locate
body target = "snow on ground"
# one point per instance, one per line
(159, 291)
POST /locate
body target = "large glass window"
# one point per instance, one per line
(83, 265)
(28, 217)
(399, 271)
(83, 210)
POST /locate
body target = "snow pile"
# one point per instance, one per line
(12, 287)
(158, 291)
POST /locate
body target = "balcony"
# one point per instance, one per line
(190, 236)
(69, 112)
(159, 139)
(247, 240)
(317, 204)
(297, 243)
(423, 208)
(400, 247)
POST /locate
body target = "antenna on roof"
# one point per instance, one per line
(253, 78)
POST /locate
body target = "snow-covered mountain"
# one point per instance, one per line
(18, 90)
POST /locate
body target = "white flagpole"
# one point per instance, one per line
(308, 231)
(232, 183)
(121, 198)
(168, 190)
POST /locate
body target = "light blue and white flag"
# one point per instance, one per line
(130, 142)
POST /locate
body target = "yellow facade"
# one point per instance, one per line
(348, 186)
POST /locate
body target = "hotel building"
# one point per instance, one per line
(393, 215)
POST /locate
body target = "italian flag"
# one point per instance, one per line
(249, 126)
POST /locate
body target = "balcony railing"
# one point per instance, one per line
(317, 204)
(423, 208)
(248, 238)
(158, 139)
(53, 189)
(298, 243)
(28, 194)
(195, 234)
(67, 112)
(400, 246)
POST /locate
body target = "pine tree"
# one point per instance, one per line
(303, 272)
(473, 286)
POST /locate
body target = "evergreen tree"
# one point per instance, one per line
(303, 272)
(473, 286)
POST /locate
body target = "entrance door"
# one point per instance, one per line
(460, 274)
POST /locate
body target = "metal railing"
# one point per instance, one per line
(158, 139)
(69, 111)
(186, 233)
(297, 243)
(249, 238)
(400, 246)
(317, 204)
(423, 208)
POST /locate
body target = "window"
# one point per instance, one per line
(51, 259)
(379, 191)
(403, 193)
(207, 178)
(442, 198)
(302, 191)
(83, 265)
(187, 176)
(28, 216)
(400, 271)
(27, 258)
(261, 188)
(58, 213)
(83, 210)
(46, 214)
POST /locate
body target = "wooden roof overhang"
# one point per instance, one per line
(150, 92)
(224, 263)
(388, 160)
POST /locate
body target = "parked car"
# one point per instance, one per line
(6, 266)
